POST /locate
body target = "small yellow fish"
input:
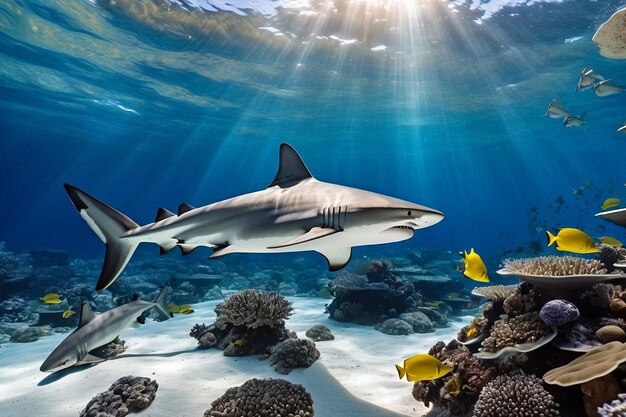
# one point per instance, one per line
(435, 304)
(422, 367)
(475, 267)
(173, 308)
(608, 240)
(453, 386)
(51, 298)
(610, 203)
(185, 309)
(325, 293)
(572, 240)
(68, 313)
(471, 331)
(238, 342)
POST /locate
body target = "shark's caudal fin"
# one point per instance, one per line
(110, 225)
(291, 168)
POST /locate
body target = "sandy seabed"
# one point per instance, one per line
(355, 375)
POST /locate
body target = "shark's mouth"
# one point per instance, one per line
(401, 227)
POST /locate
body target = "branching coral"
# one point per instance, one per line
(253, 309)
(293, 353)
(523, 300)
(126, 395)
(263, 397)
(515, 395)
(554, 266)
(527, 328)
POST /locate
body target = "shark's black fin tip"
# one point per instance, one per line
(74, 194)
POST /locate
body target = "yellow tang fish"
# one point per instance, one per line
(51, 298)
(238, 342)
(610, 203)
(173, 308)
(475, 267)
(185, 309)
(572, 240)
(471, 331)
(435, 304)
(610, 241)
(68, 313)
(422, 367)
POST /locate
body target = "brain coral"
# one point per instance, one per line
(254, 308)
(517, 395)
(293, 353)
(126, 395)
(559, 312)
(263, 397)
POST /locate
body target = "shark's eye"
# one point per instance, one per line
(409, 213)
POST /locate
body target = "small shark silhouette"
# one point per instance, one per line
(294, 213)
(94, 331)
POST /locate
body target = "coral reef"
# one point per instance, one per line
(395, 327)
(128, 394)
(418, 321)
(559, 312)
(248, 323)
(515, 395)
(525, 299)
(372, 298)
(598, 392)
(472, 373)
(526, 328)
(319, 333)
(616, 408)
(293, 353)
(263, 397)
(30, 334)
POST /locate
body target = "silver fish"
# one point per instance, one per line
(603, 89)
(588, 78)
(295, 213)
(573, 121)
(556, 111)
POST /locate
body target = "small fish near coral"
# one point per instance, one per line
(184, 309)
(610, 240)
(68, 313)
(572, 240)
(422, 367)
(610, 202)
(51, 298)
(473, 266)
(334, 218)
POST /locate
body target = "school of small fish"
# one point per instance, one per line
(588, 79)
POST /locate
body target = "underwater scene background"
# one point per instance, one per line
(152, 103)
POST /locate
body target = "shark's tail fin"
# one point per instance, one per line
(110, 226)
(161, 305)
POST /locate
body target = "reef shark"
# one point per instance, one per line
(295, 213)
(94, 331)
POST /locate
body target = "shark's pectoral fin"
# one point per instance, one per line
(220, 251)
(314, 233)
(89, 358)
(337, 257)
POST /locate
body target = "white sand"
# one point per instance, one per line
(355, 375)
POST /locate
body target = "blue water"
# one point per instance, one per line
(147, 104)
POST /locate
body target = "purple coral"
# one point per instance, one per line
(616, 408)
(559, 312)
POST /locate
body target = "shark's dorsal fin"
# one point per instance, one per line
(314, 233)
(163, 214)
(291, 168)
(337, 257)
(184, 208)
(86, 314)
